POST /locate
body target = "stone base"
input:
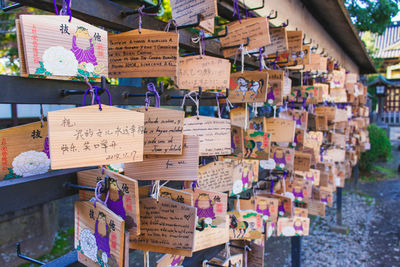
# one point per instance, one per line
(341, 229)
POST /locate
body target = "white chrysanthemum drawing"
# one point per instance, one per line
(104, 257)
(270, 231)
(288, 231)
(60, 61)
(88, 244)
(31, 163)
(208, 220)
(237, 187)
(289, 195)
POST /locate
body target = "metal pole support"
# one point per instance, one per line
(296, 251)
(355, 176)
(339, 206)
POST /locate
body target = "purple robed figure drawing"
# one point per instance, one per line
(205, 213)
(264, 212)
(103, 242)
(84, 55)
(280, 160)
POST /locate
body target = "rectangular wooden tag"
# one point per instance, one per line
(185, 12)
(300, 117)
(337, 78)
(87, 136)
(245, 172)
(297, 226)
(256, 29)
(170, 260)
(298, 189)
(335, 155)
(276, 86)
(146, 54)
(123, 197)
(211, 213)
(283, 157)
(203, 71)
(302, 161)
(281, 130)
(238, 117)
(295, 41)
(166, 226)
(163, 131)
(249, 86)
(257, 144)
(315, 207)
(312, 175)
(168, 167)
(245, 224)
(300, 212)
(268, 207)
(279, 41)
(170, 193)
(255, 257)
(299, 138)
(22, 145)
(216, 176)
(53, 46)
(237, 141)
(338, 95)
(338, 139)
(214, 134)
(99, 235)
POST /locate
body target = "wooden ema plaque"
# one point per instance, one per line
(234, 260)
(24, 151)
(268, 207)
(298, 189)
(338, 95)
(53, 46)
(146, 54)
(299, 138)
(302, 161)
(300, 212)
(163, 131)
(312, 175)
(297, 226)
(314, 64)
(276, 86)
(295, 41)
(256, 29)
(169, 260)
(283, 157)
(212, 220)
(337, 78)
(245, 172)
(255, 257)
(315, 207)
(281, 130)
(257, 144)
(216, 176)
(335, 155)
(123, 197)
(237, 141)
(238, 117)
(338, 139)
(203, 71)
(245, 225)
(87, 136)
(249, 86)
(170, 193)
(166, 226)
(186, 12)
(214, 134)
(168, 167)
(99, 235)
(279, 41)
(300, 117)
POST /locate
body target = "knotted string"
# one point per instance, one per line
(91, 89)
(246, 248)
(65, 9)
(201, 42)
(141, 13)
(155, 191)
(195, 100)
(236, 10)
(166, 29)
(97, 193)
(146, 258)
(227, 251)
(242, 51)
(152, 90)
(217, 94)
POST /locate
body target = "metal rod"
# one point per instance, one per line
(26, 257)
(339, 205)
(80, 187)
(296, 251)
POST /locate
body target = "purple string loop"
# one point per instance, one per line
(97, 193)
(141, 13)
(65, 9)
(97, 96)
(166, 29)
(236, 10)
(194, 185)
(152, 89)
(202, 43)
(321, 154)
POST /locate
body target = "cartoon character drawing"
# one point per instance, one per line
(263, 208)
(115, 202)
(102, 235)
(176, 260)
(236, 224)
(297, 118)
(298, 192)
(86, 55)
(281, 209)
(279, 157)
(245, 179)
(205, 208)
(298, 227)
(310, 176)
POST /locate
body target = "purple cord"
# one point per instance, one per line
(152, 89)
(97, 194)
(166, 29)
(141, 13)
(97, 96)
(65, 6)
(236, 10)
(194, 185)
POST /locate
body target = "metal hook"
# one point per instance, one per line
(283, 25)
(196, 24)
(239, 247)
(272, 17)
(152, 7)
(26, 257)
(315, 47)
(90, 188)
(10, 7)
(236, 46)
(202, 96)
(304, 40)
(67, 92)
(218, 36)
(256, 8)
(160, 91)
(323, 51)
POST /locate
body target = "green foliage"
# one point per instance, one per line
(372, 15)
(381, 148)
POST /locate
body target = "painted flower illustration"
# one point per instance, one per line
(31, 163)
(89, 67)
(237, 187)
(208, 220)
(89, 246)
(59, 61)
(288, 231)
(104, 257)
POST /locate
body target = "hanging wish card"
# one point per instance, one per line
(166, 226)
(99, 235)
(123, 198)
(257, 144)
(283, 157)
(214, 134)
(53, 46)
(255, 257)
(211, 218)
(295, 41)
(249, 86)
(312, 175)
(168, 167)
(300, 117)
(87, 136)
(315, 207)
(24, 151)
(163, 131)
(245, 224)
(300, 212)
(256, 29)
(237, 141)
(146, 54)
(279, 41)
(170, 193)
(298, 189)
(281, 130)
(297, 226)
(299, 138)
(186, 12)
(203, 71)
(275, 86)
(238, 117)
(216, 176)
(268, 207)
(223, 261)
(302, 161)
(169, 260)
(245, 172)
